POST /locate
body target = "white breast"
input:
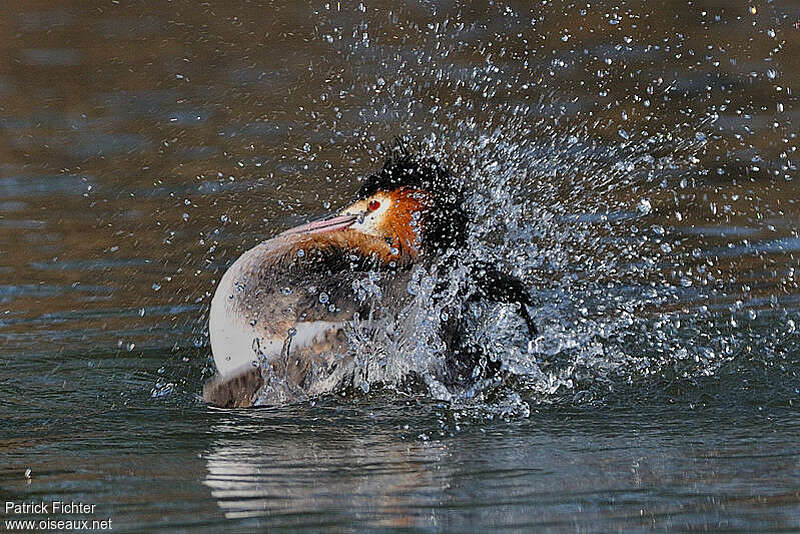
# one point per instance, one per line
(238, 345)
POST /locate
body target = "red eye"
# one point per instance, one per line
(373, 205)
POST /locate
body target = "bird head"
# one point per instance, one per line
(412, 206)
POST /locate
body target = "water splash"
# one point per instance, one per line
(629, 214)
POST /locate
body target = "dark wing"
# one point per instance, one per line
(497, 286)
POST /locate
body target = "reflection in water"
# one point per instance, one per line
(377, 477)
(264, 471)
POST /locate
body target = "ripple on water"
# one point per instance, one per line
(91, 265)
(783, 245)
(62, 57)
(55, 184)
(44, 290)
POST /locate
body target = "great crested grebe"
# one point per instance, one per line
(280, 312)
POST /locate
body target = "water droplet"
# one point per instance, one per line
(156, 286)
(323, 298)
(644, 207)
(301, 253)
(162, 389)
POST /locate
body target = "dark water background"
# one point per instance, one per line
(634, 161)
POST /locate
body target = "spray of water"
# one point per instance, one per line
(588, 177)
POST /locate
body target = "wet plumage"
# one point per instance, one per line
(279, 316)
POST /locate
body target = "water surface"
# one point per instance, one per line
(635, 163)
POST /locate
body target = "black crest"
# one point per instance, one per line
(444, 223)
